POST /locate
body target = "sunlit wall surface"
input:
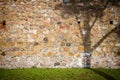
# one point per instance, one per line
(48, 33)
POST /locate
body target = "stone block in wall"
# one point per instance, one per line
(34, 36)
(62, 53)
(21, 44)
(37, 48)
(62, 43)
(100, 54)
(52, 39)
(77, 32)
(19, 53)
(76, 38)
(29, 53)
(3, 43)
(1, 57)
(49, 44)
(3, 53)
(118, 63)
(14, 49)
(66, 48)
(50, 54)
(11, 44)
(81, 48)
(74, 48)
(9, 40)
(11, 53)
(63, 63)
(77, 55)
(44, 54)
(71, 54)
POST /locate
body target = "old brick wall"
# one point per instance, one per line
(38, 35)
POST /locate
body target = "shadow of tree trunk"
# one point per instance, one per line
(87, 36)
(103, 74)
(86, 31)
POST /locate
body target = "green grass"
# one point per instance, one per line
(59, 74)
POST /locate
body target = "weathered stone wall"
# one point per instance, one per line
(38, 35)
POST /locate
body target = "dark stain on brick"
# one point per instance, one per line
(15, 49)
(3, 54)
(15, 0)
(45, 39)
(13, 57)
(118, 53)
(68, 44)
(62, 43)
(9, 40)
(3, 24)
(118, 63)
(36, 43)
(56, 64)
(59, 22)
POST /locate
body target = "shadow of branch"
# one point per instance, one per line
(100, 11)
(104, 37)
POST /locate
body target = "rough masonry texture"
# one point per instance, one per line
(38, 33)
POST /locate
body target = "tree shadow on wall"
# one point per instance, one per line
(97, 10)
(116, 29)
